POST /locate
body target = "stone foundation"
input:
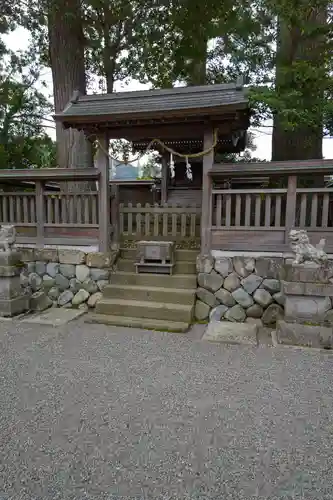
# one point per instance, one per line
(64, 277)
(246, 289)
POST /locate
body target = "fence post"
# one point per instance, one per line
(206, 212)
(290, 206)
(39, 192)
(102, 161)
(115, 215)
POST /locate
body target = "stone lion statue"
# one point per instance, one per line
(300, 244)
(7, 237)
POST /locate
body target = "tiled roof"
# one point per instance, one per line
(133, 104)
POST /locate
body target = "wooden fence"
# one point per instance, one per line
(159, 222)
(55, 218)
(260, 219)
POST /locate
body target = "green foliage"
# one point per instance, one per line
(23, 111)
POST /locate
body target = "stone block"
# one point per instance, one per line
(89, 285)
(306, 273)
(10, 287)
(243, 266)
(231, 333)
(232, 282)
(304, 335)
(273, 313)
(80, 297)
(65, 297)
(292, 288)
(235, 314)
(27, 254)
(269, 267)
(54, 293)
(251, 283)
(48, 281)
(35, 281)
(70, 256)
(225, 297)
(242, 298)
(318, 289)
(67, 270)
(201, 310)
(39, 301)
(211, 282)
(223, 265)
(100, 259)
(52, 269)
(217, 313)
(47, 254)
(205, 263)
(101, 284)
(207, 297)
(61, 282)
(40, 268)
(96, 297)
(12, 307)
(262, 297)
(255, 311)
(279, 298)
(273, 286)
(82, 272)
(306, 309)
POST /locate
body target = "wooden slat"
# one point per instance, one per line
(193, 225)
(219, 210)
(324, 216)
(11, 209)
(130, 219)
(302, 217)
(19, 217)
(238, 210)
(86, 209)
(268, 204)
(25, 209)
(257, 212)
(79, 217)
(94, 211)
(278, 211)
(248, 191)
(147, 221)
(138, 223)
(183, 218)
(248, 210)
(314, 210)
(291, 206)
(49, 211)
(174, 224)
(165, 223)
(156, 221)
(228, 210)
(121, 219)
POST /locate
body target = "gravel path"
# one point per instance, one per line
(90, 412)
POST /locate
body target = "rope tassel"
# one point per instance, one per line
(189, 174)
(172, 166)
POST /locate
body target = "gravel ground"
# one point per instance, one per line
(91, 412)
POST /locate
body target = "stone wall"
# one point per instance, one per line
(240, 289)
(64, 277)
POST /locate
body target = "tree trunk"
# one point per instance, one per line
(304, 141)
(66, 49)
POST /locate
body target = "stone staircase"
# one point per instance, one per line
(149, 301)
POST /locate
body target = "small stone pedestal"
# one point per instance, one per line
(12, 300)
(155, 257)
(308, 294)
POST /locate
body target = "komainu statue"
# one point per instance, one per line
(300, 244)
(7, 237)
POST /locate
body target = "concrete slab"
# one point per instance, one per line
(231, 333)
(304, 335)
(54, 317)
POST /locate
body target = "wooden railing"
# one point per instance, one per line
(51, 217)
(159, 222)
(261, 219)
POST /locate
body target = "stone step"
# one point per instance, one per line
(183, 267)
(149, 294)
(142, 323)
(179, 281)
(144, 309)
(181, 255)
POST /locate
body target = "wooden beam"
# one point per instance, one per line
(39, 214)
(290, 206)
(102, 163)
(164, 179)
(206, 212)
(272, 168)
(56, 174)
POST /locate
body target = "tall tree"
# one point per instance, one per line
(301, 81)
(66, 54)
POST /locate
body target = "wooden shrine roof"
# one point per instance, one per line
(161, 106)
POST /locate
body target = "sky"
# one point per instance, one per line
(19, 39)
